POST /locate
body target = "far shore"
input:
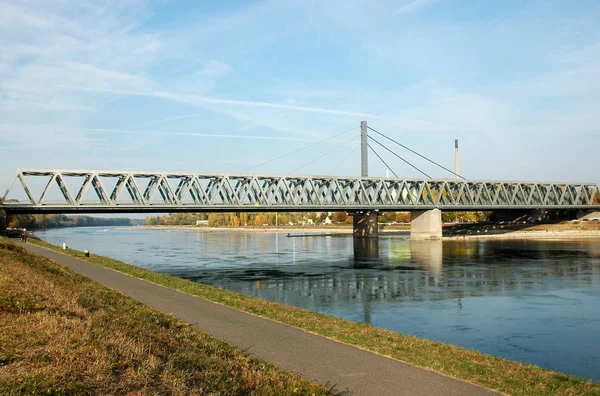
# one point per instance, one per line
(536, 234)
(271, 229)
(555, 232)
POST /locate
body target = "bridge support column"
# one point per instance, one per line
(3, 222)
(365, 225)
(426, 224)
(365, 249)
(366, 233)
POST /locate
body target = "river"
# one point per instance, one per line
(533, 301)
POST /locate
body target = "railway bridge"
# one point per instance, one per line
(109, 191)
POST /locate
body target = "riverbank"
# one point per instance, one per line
(565, 230)
(61, 333)
(494, 373)
(342, 230)
(534, 234)
(269, 229)
(557, 231)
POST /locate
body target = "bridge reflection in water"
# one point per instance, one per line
(412, 271)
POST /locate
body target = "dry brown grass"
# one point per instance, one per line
(63, 334)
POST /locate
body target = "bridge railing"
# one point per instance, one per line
(203, 192)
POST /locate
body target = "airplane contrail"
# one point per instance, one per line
(211, 135)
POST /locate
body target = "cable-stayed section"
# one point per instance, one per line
(414, 152)
(381, 159)
(345, 159)
(323, 155)
(298, 150)
(411, 165)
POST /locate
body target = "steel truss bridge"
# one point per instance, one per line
(86, 191)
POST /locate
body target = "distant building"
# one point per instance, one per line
(202, 223)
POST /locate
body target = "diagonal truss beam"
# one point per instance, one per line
(215, 192)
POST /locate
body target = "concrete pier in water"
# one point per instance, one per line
(426, 224)
(365, 225)
(366, 233)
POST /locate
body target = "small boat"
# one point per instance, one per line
(309, 234)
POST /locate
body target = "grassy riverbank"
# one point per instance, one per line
(494, 373)
(61, 333)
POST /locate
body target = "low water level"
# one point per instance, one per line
(533, 301)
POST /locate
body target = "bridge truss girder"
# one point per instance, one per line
(198, 192)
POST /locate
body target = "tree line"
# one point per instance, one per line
(42, 221)
(238, 219)
(297, 218)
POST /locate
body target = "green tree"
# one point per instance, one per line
(387, 217)
(322, 216)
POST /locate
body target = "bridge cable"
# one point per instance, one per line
(300, 149)
(414, 152)
(378, 156)
(321, 156)
(345, 159)
(414, 167)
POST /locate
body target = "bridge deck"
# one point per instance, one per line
(122, 191)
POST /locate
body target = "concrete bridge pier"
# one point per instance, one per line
(365, 225)
(3, 222)
(366, 233)
(426, 224)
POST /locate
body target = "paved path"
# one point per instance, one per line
(344, 368)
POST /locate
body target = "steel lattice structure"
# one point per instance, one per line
(198, 192)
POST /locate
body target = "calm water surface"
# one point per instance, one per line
(533, 301)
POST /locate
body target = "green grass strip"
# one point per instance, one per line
(491, 372)
(63, 334)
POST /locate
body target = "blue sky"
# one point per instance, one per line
(220, 87)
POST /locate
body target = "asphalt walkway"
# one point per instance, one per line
(344, 368)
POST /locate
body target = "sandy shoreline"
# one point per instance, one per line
(565, 234)
(537, 234)
(274, 229)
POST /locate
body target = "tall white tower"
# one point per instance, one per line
(456, 165)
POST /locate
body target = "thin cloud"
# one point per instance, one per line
(167, 119)
(198, 134)
(214, 69)
(11, 16)
(196, 99)
(414, 6)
